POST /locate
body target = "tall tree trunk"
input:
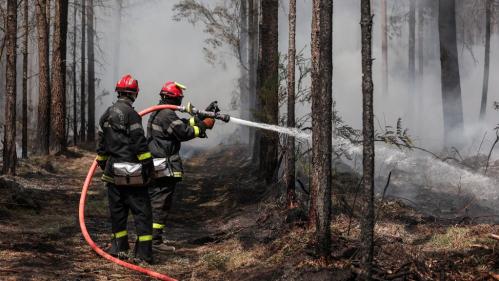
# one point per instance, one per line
(486, 64)
(25, 80)
(412, 51)
(9, 142)
(75, 118)
(290, 167)
(384, 44)
(83, 124)
(43, 128)
(117, 45)
(451, 81)
(91, 73)
(253, 62)
(322, 102)
(244, 90)
(58, 109)
(421, 38)
(367, 224)
(268, 85)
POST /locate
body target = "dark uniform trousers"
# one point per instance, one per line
(123, 199)
(161, 193)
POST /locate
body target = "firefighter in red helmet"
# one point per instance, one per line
(166, 131)
(124, 156)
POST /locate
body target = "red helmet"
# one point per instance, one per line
(127, 85)
(173, 90)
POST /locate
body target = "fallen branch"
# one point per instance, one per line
(386, 186)
(398, 275)
(493, 236)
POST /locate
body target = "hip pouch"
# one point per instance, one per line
(128, 174)
(162, 168)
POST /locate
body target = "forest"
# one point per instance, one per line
(342, 140)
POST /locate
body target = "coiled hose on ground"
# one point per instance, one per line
(81, 214)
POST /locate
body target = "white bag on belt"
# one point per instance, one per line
(128, 174)
(162, 168)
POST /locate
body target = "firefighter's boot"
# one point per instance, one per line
(143, 251)
(159, 244)
(119, 247)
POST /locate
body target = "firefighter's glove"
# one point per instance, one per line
(102, 164)
(147, 169)
(202, 130)
(209, 123)
(213, 107)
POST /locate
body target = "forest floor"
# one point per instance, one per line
(226, 225)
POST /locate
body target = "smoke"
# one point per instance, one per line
(156, 49)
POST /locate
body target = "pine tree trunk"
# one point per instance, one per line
(451, 81)
(44, 97)
(83, 124)
(268, 86)
(59, 47)
(486, 67)
(73, 70)
(25, 80)
(412, 51)
(367, 224)
(384, 44)
(252, 76)
(117, 44)
(322, 103)
(290, 149)
(244, 69)
(421, 38)
(9, 142)
(91, 73)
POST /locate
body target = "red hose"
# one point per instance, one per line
(81, 214)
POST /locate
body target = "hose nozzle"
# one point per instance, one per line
(205, 114)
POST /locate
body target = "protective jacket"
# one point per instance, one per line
(165, 132)
(121, 137)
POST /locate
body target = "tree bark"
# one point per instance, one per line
(451, 81)
(117, 44)
(59, 47)
(91, 73)
(9, 142)
(421, 38)
(83, 125)
(486, 65)
(75, 92)
(44, 97)
(384, 45)
(252, 76)
(290, 150)
(322, 102)
(412, 58)
(268, 86)
(25, 80)
(367, 224)
(244, 90)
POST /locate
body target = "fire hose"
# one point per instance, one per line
(88, 181)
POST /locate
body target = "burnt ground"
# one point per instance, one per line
(228, 225)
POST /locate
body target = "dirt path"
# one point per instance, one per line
(40, 239)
